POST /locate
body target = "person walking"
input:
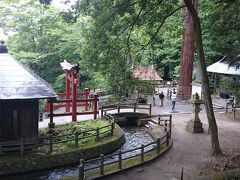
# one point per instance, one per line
(161, 97)
(174, 98)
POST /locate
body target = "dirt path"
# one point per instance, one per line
(190, 151)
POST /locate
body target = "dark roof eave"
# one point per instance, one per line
(19, 82)
(28, 98)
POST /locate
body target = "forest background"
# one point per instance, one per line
(107, 38)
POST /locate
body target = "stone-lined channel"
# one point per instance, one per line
(135, 136)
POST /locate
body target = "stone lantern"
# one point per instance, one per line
(195, 124)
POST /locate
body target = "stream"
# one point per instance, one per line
(135, 136)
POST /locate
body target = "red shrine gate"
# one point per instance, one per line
(69, 99)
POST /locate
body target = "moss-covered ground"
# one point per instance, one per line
(67, 132)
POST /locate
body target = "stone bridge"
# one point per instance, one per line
(131, 118)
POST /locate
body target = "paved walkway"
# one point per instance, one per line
(190, 151)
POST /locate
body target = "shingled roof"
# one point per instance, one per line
(223, 67)
(18, 82)
(146, 73)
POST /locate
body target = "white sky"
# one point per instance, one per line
(56, 3)
(2, 36)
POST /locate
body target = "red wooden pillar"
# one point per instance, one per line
(67, 90)
(51, 124)
(95, 106)
(86, 96)
(74, 97)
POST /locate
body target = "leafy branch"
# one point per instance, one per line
(160, 25)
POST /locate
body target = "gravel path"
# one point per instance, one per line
(190, 151)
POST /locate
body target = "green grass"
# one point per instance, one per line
(77, 126)
(67, 132)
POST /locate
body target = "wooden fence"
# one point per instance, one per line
(74, 112)
(233, 109)
(25, 145)
(67, 104)
(119, 106)
(141, 151)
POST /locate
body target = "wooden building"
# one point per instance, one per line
(224, 70)
(20, 91)
(147, 74)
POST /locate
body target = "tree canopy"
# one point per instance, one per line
(108, 37)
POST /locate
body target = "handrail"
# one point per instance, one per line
(24, 144)
(120, 106)
(233, 108)
(164, 140)
(126, 158)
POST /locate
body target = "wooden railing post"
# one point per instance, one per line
(170, 126)
(97, 134)
(159, 118)
(120, 159)
(118, 107)
(142, 153)
(158, 145)
(50, 144)
(134, 107)
(113, 124)
(101, 111)
(21, 147)
(76, 138)
(95, 106)
(150, 109)
(51, 124)
(112, 128)
(167, 141)
(81, 170)
(102, 164)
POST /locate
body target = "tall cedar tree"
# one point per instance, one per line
(206, 91)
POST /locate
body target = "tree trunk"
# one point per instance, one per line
(206, 91)
(187, 57)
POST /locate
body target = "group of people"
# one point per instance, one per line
(173, 98)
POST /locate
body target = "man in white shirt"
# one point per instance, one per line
(173, 98)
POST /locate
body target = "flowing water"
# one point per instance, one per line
(135, 136)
